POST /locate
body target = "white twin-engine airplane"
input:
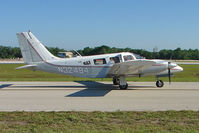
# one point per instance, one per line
(117, 65)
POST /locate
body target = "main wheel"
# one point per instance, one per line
(159, 83)
(116, 81)
(123, 87)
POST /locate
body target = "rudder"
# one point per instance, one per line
(32, 49)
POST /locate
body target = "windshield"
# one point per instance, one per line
(138, 56)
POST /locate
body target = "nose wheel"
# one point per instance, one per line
(159, 83)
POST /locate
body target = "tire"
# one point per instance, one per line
(159, 83)
(123, 87)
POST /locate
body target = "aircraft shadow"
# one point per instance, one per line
(93, 89)
(96, 89)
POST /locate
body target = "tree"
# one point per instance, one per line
(14, 52)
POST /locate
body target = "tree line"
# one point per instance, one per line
(176, 54)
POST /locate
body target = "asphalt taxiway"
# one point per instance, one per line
(97, 96)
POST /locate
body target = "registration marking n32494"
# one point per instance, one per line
(73, 69)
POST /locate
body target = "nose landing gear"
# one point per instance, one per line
(159, 83)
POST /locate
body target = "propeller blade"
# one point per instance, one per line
(169, 75)
(169, 72)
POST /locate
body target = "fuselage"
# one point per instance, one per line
(117, 65)
(99, 66)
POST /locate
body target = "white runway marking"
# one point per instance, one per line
(97, 96)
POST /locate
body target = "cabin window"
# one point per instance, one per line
(114, 60)
(128, 57)
(100, 61)
(87, 63)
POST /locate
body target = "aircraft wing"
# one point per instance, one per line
(134, 67)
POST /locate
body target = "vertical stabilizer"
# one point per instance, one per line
(32, 49)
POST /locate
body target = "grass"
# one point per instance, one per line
(8, 73)
(116, 122)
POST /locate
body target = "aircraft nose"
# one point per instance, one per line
(177, 69)
(180, 68)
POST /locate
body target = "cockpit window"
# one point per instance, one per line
(138, 56)
(99, 61)
(128, 57)
(114, 60)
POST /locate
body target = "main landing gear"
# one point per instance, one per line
(123, 87)
(116, 81)
(121, 82)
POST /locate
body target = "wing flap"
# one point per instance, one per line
(134, 67)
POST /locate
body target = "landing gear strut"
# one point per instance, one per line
(123, 84)
(159, 83)
(121, 81)
(116, 81)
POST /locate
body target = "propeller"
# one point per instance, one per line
(170, 66)
(169, 72)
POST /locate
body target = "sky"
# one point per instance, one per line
(76, 24)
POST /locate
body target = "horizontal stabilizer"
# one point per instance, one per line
(26, 66)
